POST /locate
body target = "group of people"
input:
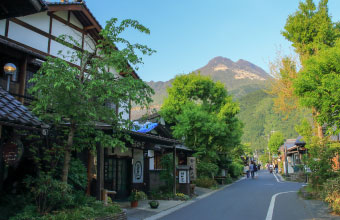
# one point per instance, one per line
(251, 169)
(271, 167)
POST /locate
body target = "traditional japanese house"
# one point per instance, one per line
(28, 38)
(154, 124)
(293, 150)
(15, 119)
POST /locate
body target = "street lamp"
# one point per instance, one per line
(10, 70)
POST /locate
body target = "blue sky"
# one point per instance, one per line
(188, 33)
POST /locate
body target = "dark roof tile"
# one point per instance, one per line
(11, 110)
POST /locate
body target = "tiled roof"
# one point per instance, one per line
(12, 111)
(75, 3)
(289, 143)
(300, 141)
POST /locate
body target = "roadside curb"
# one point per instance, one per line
(182, 205)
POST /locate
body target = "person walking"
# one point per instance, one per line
(251, 168)
(255, 170)
(276, 168)
(246, 170)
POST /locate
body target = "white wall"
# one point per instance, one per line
(2, 27)
(151, 154)
(39, 20)
(126, 115)
(89, 43)
(59, 28)
(56, 47)
(27, 37)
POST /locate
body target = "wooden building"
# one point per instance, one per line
(27, 38)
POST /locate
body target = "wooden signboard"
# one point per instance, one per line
(12, 152)
(193, 169)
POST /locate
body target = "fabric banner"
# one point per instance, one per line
(138, 165)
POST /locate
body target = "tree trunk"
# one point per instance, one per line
(317, 125)
(67, 155)
(89, 171)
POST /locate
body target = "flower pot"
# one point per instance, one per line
(134, 204)
(154, 204)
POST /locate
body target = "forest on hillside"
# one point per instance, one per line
(260, 118)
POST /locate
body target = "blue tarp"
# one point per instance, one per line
(144, 128)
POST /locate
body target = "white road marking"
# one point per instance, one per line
(272, 203)
(276, 178)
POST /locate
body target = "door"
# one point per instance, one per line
(117, 176)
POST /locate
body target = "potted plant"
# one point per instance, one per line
(154, 204)
(135, 196)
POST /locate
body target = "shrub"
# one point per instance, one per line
(166, 173)
(93, 210)
(161, 195)
(49, 194)
(205, 182)
(207, 169)
(77, 176)
(137, 195)
(236, 169)
(331, 193)
(12, 204)
(182, 196)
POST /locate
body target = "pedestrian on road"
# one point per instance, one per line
(259, 167)
(246, 170)
(276, 168)
(251, 168)
(255, 170)
(271, 167)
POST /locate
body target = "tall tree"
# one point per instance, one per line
(203, 114)
(311, 30)
(318, 86)
(79, 98)
(275, 141)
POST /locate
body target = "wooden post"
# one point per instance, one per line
(100, 171)
(174, 162)
(89, 171)
(22, 79)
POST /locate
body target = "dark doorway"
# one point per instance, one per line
(117, 176)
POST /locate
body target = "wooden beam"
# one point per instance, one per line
(92, 20)
(68, 16)
(39, 31)
(49, 39)
(53, 8)
(7, 27)
(22, 79)
(89, 27)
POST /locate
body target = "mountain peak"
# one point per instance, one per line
(220, 60)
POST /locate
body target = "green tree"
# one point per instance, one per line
(318, 86)
(76, 99)
(310, 28)
(203, 114)
(275, 141)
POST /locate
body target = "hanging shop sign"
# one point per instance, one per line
(12, 152)
(138, 161)
(182, 176)
(192, 170)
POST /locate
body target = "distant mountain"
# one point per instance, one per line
(240, 78)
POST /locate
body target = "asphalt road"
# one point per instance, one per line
(250, 199)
